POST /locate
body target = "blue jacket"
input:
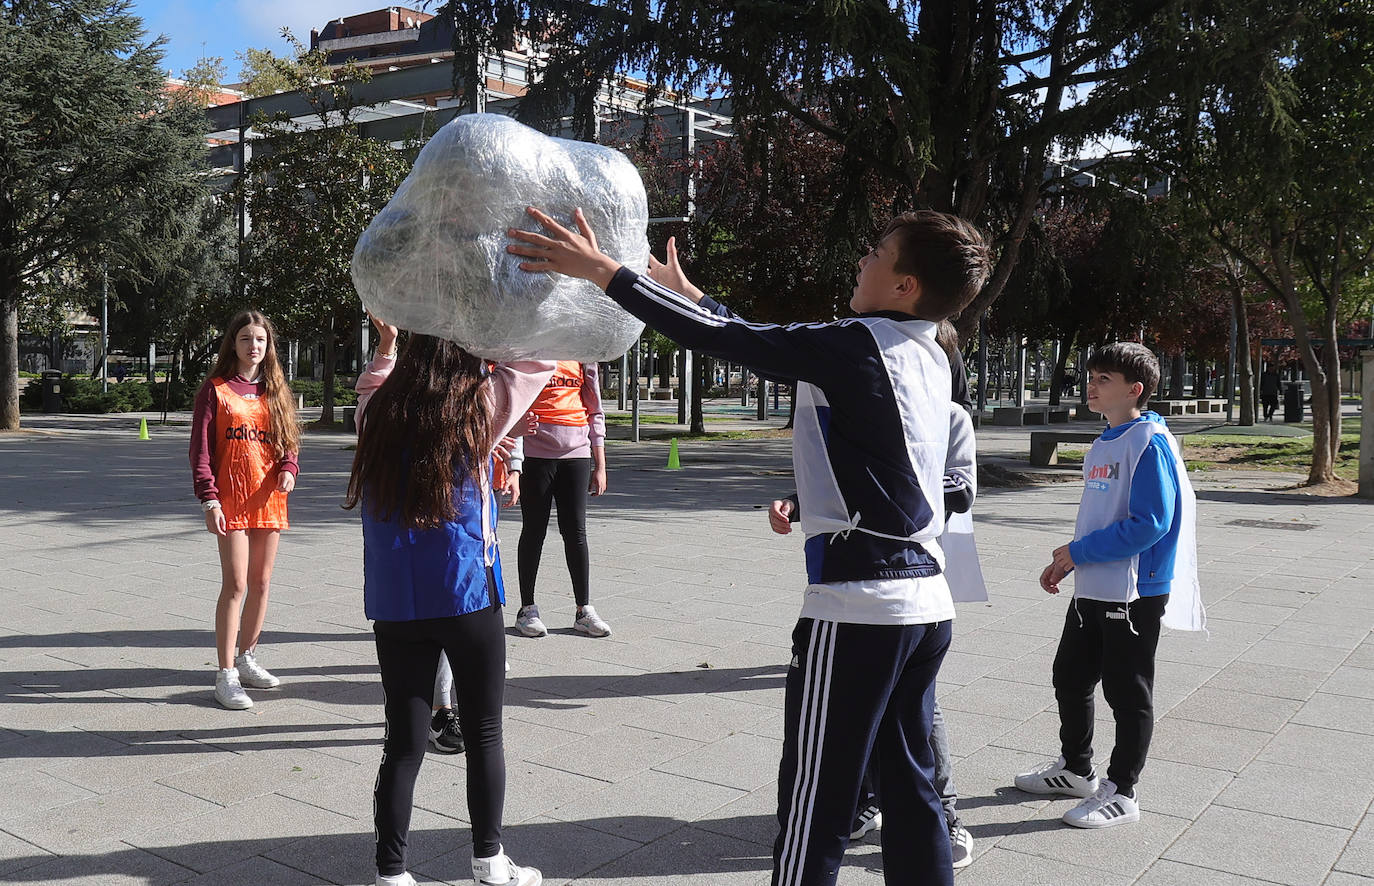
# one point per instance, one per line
(1152, 528)
(410, 574)
(876, 389)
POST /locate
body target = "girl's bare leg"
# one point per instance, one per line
(262, 556)
(233, 564)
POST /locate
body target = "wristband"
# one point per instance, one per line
(210, 504)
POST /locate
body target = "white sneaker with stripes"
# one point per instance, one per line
(1053, 778)
(868, 820)
(1104, 809)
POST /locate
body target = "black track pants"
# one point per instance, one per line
(1115, 644)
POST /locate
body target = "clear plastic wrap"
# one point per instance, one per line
(434, 260)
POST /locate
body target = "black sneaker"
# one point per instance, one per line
(444, 734)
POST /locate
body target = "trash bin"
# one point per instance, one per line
(52, 390)
(1292, 402)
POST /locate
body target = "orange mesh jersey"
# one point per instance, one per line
(560, 403)
(245, 463)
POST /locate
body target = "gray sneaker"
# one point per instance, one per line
(229, 691)
(499, 870)
(588, 622)
(527, 622)
(961, 845)
(254, 675)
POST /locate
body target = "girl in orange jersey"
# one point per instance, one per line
(565, 460)
(244, 440)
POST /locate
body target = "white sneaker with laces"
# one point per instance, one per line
(1104, 809)
(527, 622)
(961, 845)
(588, 622)
(253, 674)
(499, 870)
(1053, 778)
(401, 879)
(229, 691)
(869, 820)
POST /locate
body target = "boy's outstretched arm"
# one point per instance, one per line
(807, 352)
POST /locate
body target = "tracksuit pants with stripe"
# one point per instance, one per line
(858, 693)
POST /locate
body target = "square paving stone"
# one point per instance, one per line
(257, 870)
(1205, 744)
(689, 857)
(1300, 793)
(75, 827)
(105, 863)
(646, 806)
(1358, 857)
(1344, 712)
(616, 754)
(1228, 707)
(1265, 847)
(740, 761)
(1001, 867)
(1330, 750)
(1045, 835)
(1262, 679)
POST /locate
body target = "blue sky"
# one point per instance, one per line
(224, 27)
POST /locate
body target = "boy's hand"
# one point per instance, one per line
(669, 273)
(564, 252)
(1063, 560)
(1050, 577)
(779, 516)
(513, 488)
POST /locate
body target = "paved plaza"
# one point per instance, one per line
(649, 757)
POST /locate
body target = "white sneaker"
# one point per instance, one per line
(1104, 809)
(527, 622)
(961, 845)
(401, 879)
(869, 820)
(253, 674)
(499, 870)
(588, 622)
(1053, 778)
(229, 691)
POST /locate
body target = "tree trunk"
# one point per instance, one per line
(1060, 367)
(1323, 464)
(698, 419)
(1176, 369)
(327, 410)
(1244, 369)
(9, 358)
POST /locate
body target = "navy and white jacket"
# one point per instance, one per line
(872, 425)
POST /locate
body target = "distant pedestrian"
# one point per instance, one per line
(244, 440)
(1269, 392)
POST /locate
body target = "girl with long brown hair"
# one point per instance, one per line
(428, 421)
(244, 440)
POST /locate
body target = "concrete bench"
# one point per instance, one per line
(1210, 405)
(1044, 445)
(1175, 407)
(1058, 415)
(1084, 412)
(1014, 416)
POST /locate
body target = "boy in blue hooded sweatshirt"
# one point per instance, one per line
(1134, 561)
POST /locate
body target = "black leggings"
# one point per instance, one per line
(543, 482)
(408, 653)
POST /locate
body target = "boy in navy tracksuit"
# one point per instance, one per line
(872, 431)
(1134, 563)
